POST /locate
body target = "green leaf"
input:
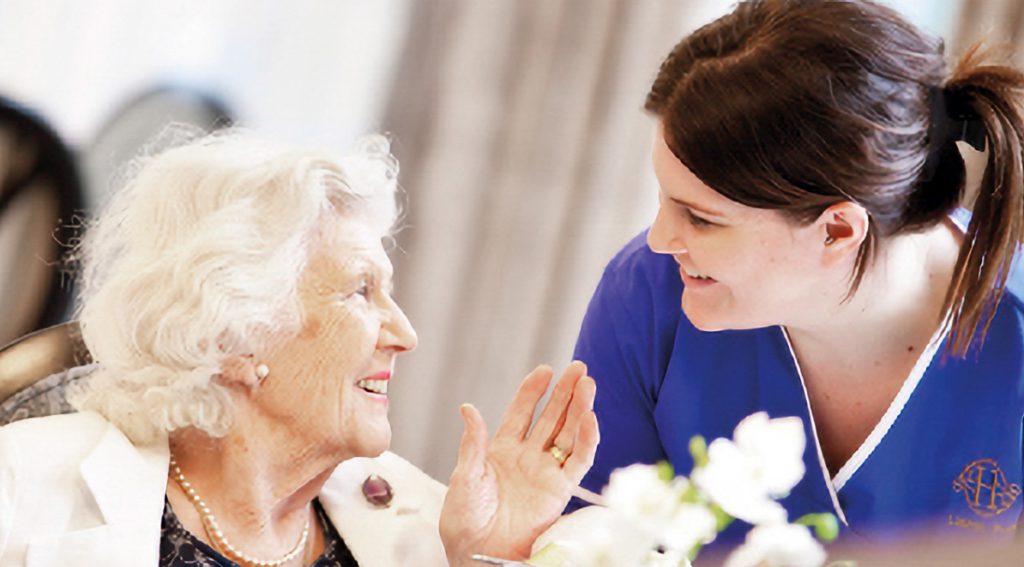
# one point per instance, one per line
(699, 451)
(694, 551)
(692, 495)
(665, 471)
(722, 518)
(826, 526)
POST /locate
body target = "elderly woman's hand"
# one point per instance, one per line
(503, 495)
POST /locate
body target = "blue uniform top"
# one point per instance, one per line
(945, 456)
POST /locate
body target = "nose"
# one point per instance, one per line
(666, 235)
(396, 333)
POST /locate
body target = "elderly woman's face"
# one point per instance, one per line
(330, 383)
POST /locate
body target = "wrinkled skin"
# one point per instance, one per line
(505, 492)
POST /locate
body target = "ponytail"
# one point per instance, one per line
(993, 95)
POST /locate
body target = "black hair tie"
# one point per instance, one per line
(952, 120)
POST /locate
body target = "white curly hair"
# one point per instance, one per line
(197, 258)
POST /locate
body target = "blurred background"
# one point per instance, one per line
(518, 125)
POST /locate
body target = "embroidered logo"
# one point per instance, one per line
(985, 488)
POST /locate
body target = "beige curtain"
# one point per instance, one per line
(27, 252)
(995, 21)
(1000, 24)
(524, 154)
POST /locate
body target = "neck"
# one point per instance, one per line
(894, 313)
(257, 482)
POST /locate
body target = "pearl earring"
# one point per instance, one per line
(262, 371)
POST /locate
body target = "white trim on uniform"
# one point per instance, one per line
(895, 409)
(814, 430)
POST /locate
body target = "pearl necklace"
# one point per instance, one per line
(217, 536)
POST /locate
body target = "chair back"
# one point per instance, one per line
(34, 371)
(41, 202)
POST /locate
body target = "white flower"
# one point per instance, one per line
(645, 523)
(764, 461)
(638, 492)
(655, 559)
(656, 507)
(594, 536)
(777, 445)
(778, 545)
(689, 525)
(653, 522)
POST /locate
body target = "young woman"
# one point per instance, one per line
(809, 225)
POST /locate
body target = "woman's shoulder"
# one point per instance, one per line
(48, 443)
(1014, 291)
(70, 481)
(1007, 325)
(393, 462)
(387, 511)
(83, 421)
(404, 479)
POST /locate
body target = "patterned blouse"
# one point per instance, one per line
(179, 548)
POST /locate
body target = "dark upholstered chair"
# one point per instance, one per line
(36, 369)
(41, 199)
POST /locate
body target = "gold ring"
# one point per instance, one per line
(558, 454)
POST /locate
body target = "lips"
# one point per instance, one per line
(376, 384)
(683, 260)
(693, 280)
(695, 274)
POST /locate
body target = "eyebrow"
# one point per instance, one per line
(377, 271)
(699, 209)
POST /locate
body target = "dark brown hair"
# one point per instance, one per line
(800, 104)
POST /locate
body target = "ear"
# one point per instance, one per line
(843, 227)
(239, 372)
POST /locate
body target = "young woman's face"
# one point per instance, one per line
(741, 267)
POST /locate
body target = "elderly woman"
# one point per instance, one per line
(237, 298)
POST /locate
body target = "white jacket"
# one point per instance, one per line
(75, 491)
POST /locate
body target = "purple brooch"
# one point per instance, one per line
(377, 491)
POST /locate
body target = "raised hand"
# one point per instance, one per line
(505, 493)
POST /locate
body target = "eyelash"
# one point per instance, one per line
(365, 288)
(696, 221)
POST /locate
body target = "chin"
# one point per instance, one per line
(704, 319)
(372, 443)
(710, 321)
(725, 315)
(707, 326)
(380, 445)
(372, 453)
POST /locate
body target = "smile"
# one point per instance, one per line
(375, 386)
(695, 275)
